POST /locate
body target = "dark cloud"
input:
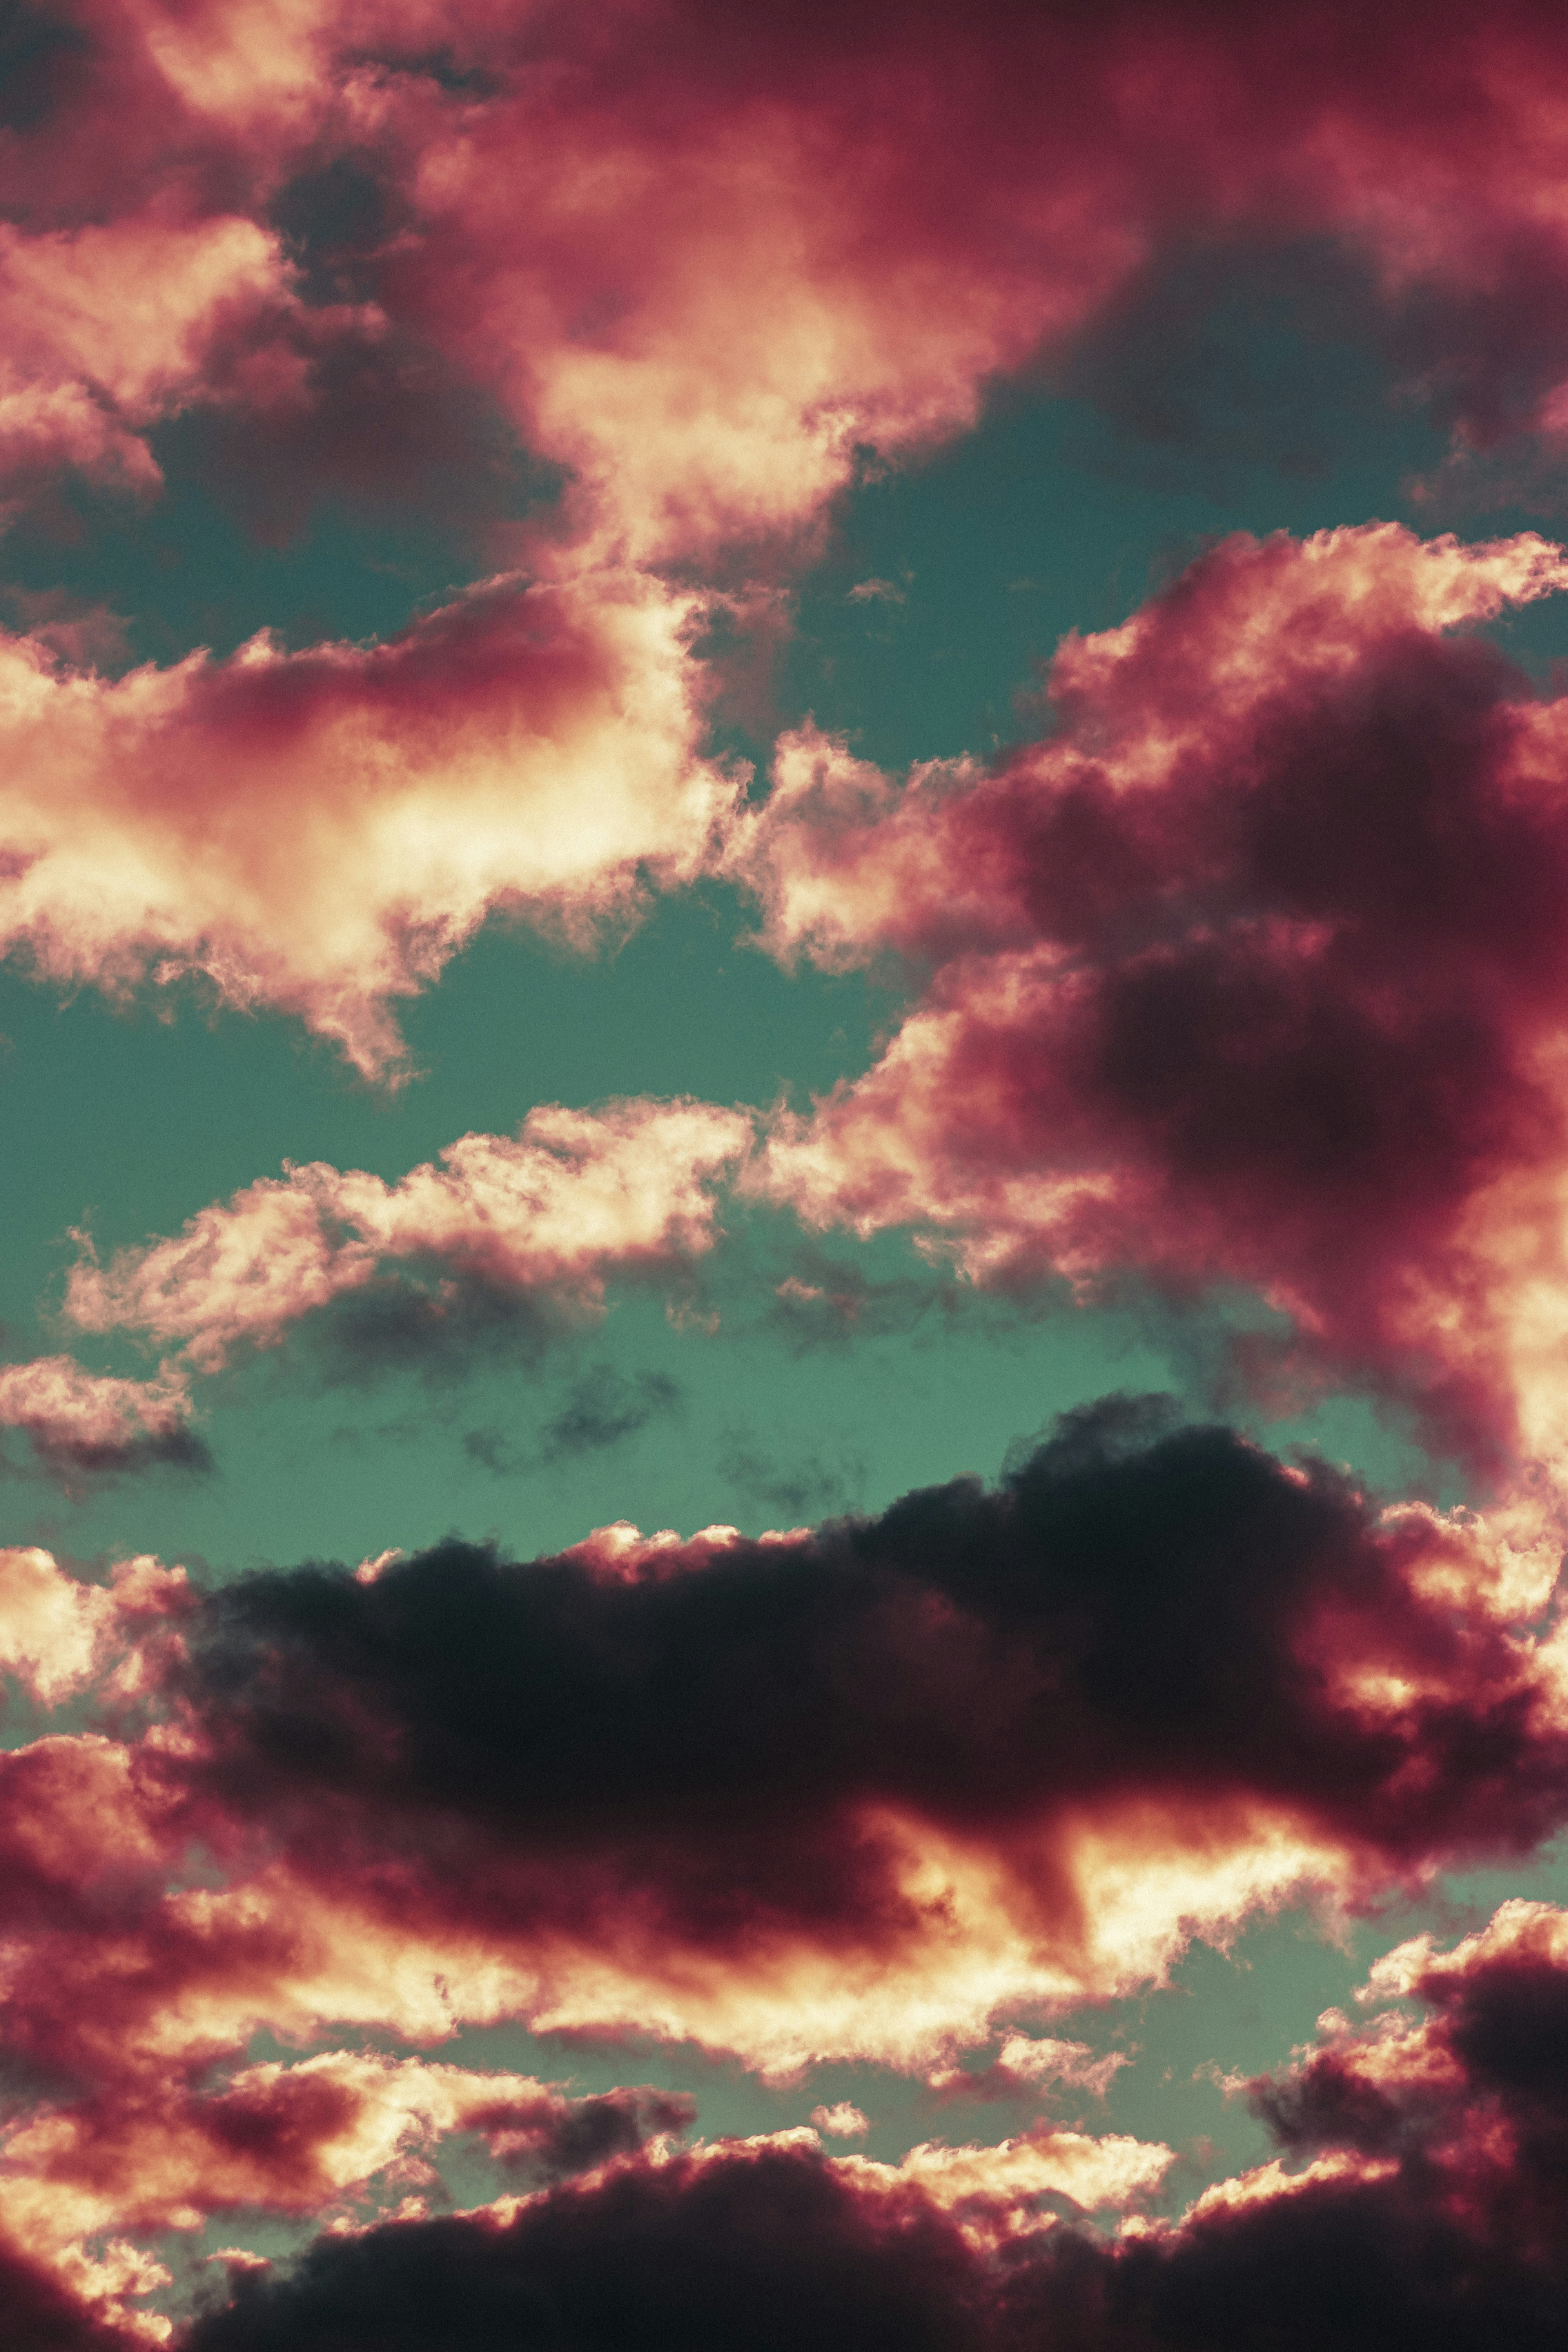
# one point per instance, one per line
(576, 2136)
(1437, 2220)
(766, 2250)
(808, 1486)
(439, 1328)
(40, 2315)
(1140, 1613)
(1254, 979)
(602, 1408)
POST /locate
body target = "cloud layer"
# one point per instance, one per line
(1431, 2209)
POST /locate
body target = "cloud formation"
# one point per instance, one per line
(1251, 971)
(80, 1423)
(709, 279)
(858, 1791)
(531, 750)
(547, 1216)
(1247, 976)
(1426, 2204)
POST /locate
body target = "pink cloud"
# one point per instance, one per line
(1025, 2065)
(1251, 971)
(1419, 2197)
(531, 750)
(637, 1845)
(109, 327)
(60, 1635)
(707, 277)
(78, 1421)
(575, 1198)
(574, 1794)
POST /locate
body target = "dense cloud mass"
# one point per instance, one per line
(927, 1748)
(1431, 2211)
(1252, 971)
(863, 1792)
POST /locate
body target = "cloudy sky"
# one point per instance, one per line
(784, 849)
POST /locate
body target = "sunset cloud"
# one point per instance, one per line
(550, 1215)
(78, 1422)
(1056, 1731)
(538, 376)
(526, 751)
(1249, 971)
(110, 327)
(1429, 2205)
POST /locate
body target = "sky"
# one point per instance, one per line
(784, 818)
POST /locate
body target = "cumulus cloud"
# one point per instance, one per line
(110, 327)
(1251, 971)
(869, 1792)
(705, 275)
(1025, 2065)
(526, 749)
(854, 1793)
(702, 279)
(59, 1634)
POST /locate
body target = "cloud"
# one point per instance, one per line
(109, 327)
(853, 1793)
(1430, 2209)
(706, 276)
(841, 2122)
(1023, 2065)
(800, 1486)
(764, 2246)
(379, 802)
(601, 1410)
(1249, 971)
(80, 1423)
(150, 2154)
(704, 283)
(547, 1217)
(59, 1634)
(865, 1792)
